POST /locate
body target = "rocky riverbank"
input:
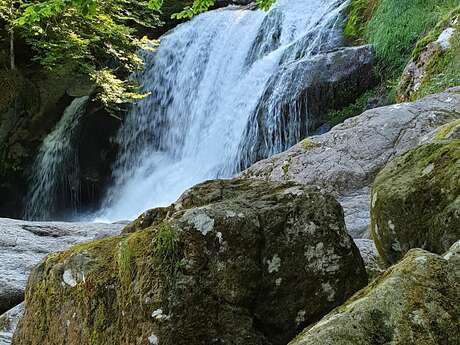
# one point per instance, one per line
(256, 261)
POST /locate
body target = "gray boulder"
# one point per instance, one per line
(414, 302)
(416, 201)
(346, 160)
(23, 244)
(372, 260)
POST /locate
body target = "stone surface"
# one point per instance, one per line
(414, 302)
(23, 244)
(312, 87)
(8, 323)
(372, 261)
(416, 201)
(232, 262)
(356, 206)
(346, 160)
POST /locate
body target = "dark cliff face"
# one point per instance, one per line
(30, 107)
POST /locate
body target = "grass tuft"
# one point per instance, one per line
(397, 25)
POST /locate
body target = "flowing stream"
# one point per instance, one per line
(206, 81)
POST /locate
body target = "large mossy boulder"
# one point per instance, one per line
(414, 302)
(416, 201)
(232, 262)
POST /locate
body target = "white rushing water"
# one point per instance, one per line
(206, 80)
(52, 179)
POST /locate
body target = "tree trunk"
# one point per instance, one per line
(12, 57)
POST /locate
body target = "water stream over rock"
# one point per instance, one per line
(52, 182)
(208, 80)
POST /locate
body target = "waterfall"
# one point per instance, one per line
(208, 79)
(53, 181)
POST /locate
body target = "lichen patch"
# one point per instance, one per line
(274, 264)
(68, 278)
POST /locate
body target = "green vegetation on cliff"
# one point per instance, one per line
(443, 69)
(393, 27)
(400, 33)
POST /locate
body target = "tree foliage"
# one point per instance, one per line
(99, 38)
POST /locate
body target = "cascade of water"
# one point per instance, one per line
(207, 80)
(55, 169)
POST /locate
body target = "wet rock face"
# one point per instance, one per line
(416, 201)
(29, 111)
(414, 302)
(232, 262)
(346, 160)
(315, 85)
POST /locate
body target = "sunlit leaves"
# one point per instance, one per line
(265, 4)
(199, 6)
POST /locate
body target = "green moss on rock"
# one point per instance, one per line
(360, 12)
(308, 145)
(448, 131)
(416, 201)
(4, 323)
(242, 261)
(413, 302)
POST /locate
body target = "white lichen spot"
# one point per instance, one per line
(153, 339)
(296, 191)
(200, 220)
(374, 199)
(421, 260)
(417, 317)
(230, 214)
(278, 281)
(316, 251)
(327, 288)
(300, 317)
(158, 315)
(428, 170)
(219, 237)
(311, 228)
(68, 278)
(274, 264)
(391, 225)
(396, 246)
